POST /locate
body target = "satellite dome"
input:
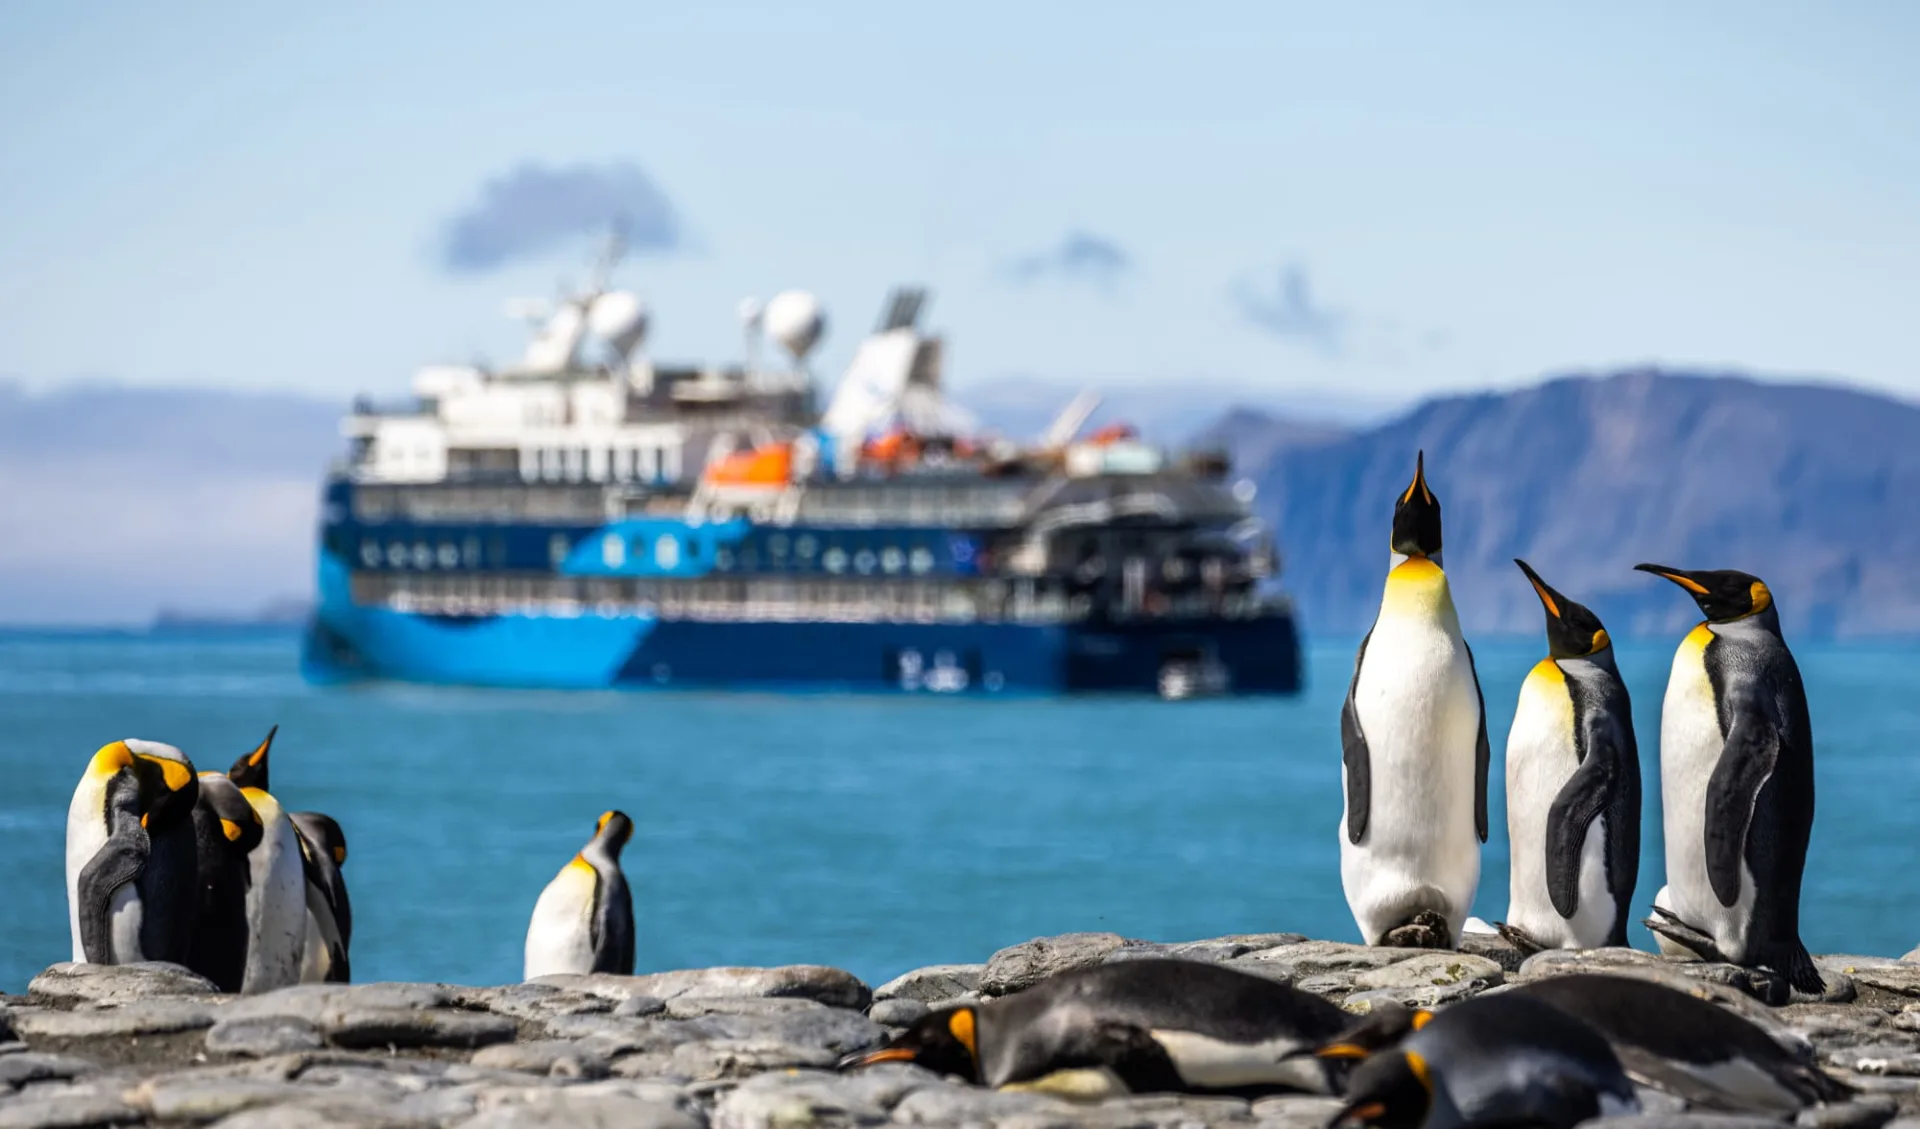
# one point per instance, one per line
(794, 319)
(619, 318)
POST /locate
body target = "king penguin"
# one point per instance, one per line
(226, 831)
(1736, 784)
(1413, 735)
(583, 921)
(276, 900)
(1497, 1060)
(1573, 789)
(1134, 1026)
(323, 851)
(131, 872)
(250, 771)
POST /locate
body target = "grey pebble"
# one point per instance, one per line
(897, 1012)
(267, 1035)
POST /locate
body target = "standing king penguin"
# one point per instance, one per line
(1413, 736)
(226, 832)
(1736, 784)
(131, 874)
(323, 851)
(276, 900)
(583, 921)
(1573, 789)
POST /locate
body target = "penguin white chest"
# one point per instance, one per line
(1541, 757)
(86, 834)
(1419, 713)
(276, 901)
(560, 936)
(1690, 748)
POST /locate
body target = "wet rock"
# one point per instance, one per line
(267, 1035)
(68, 983)
(831, 986)
(555, 1057)
(67, 1111)
(933, 983)
(1291, 1112)
(17, 1070)
(1028, 963)
(566, 1109)
(1867, 1112)
(1431, 979)
(137, 1017)
(1317, 958)
(899, 1012)
(815, 1100)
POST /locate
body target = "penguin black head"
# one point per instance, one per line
(323, 833)
(1416, 516)
(1572, 631)
(239, 823)
(1383, 1027)
(250, 771)
(1391, 1090)
(1723, 594)
(943, 1042)
(612, 832)
(163, 777)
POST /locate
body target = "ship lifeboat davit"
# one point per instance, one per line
(768, 467)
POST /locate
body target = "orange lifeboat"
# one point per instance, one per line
(1113, 433)
(762, 467)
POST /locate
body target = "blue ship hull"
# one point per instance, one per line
(631, 649)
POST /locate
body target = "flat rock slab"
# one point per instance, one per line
(556, 1058)
(67, 1112)
(321, 1003)
(264, 1036)
(1433, 978)
(831, 986)
(1320, 958)
(136, 1017)
(69, 983)
(1028, 963)
(198, 1099)
(791, 1099)
(932, 984)
(20, 1069)
(560, 1109)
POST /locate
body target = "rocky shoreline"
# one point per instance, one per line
(738, 1048)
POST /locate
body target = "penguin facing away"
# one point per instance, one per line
(250, 771)
(1414, 750)
(323, 850)
(1496, 1060)
(276, 900)
(1736, 782)
(1691, 1048)
(226, 832)
(1135, 1026)
(132, 878)
(583, 921)
(1573, 789)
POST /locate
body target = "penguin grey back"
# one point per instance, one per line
(225, 828)
(613, 905)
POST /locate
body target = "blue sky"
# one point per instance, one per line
(1380, 200)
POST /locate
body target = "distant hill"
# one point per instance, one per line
(1164, 413)
(1815, 488)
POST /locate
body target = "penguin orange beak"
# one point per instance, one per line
(868, 1058)
(1548, 600)
(1679, 576)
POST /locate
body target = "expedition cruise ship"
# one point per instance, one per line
(589, 518)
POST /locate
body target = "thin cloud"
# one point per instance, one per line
(533, 209)
(1079, 257)
(1288, 311)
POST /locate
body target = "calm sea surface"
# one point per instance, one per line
(877, 834)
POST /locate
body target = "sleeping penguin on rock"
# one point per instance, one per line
(1133, 1026)
(132, 879)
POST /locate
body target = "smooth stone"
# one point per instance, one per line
(116, 983)
(933, 983)
(1028, 963)
(323, 1113)
(265, 1036)
(1886, 975)
(323, 1004)
(555, 1057)
(831, 986)
(564, 1109)
(1317, 958)
(1212, 952)
(1866, 1112)
(530, 1001)
(1433, 978)
(137, 1017)
(898, 1012)
(946, 1104)
(208, 1099)
(396, 1027)
(807, 1099)
(1295, 1112)
(640, 1005)
(740, 1058)
(17, 1070)
(67, 1112)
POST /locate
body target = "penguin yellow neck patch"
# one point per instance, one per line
(961, 1025)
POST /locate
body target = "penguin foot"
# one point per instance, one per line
(1664, 924)
(1519, 938)
(1425, 930)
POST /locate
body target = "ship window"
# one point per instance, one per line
(449, 555)
(470, 552)
(749, 557)
(922, 559)
(666, 551)
(805, 547)
(370, 554)
(723, 559)
(835, 559)
(497, 550)
(777, 545)
(557, 549)
(613, 550)
(864, 561)
(637, 548)
(892, 559)
(422, 555)
(397, 555)
(622, 463)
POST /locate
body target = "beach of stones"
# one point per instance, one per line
(754, 1048)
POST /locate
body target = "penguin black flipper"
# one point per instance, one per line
(613, 927)
(1586, 794)
(1748, 760)
(120, 861)
(1482, 753)
(1353, 753)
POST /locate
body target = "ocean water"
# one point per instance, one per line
(873, 833)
